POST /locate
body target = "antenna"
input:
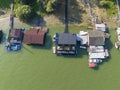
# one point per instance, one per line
(66, 16)
(12, 16)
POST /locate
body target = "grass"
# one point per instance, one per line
(37, 68)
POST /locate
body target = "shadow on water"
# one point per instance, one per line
(27, 49)
(3, 38)
(108, 44)
(96, 68)
(80, 52)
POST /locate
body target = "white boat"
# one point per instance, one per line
(118, 31)
(82, 33)
(118, 37)
(116, 44)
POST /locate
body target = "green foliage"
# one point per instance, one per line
(45, 6)
(4, 4)
(105, 4)
(26, 2)
(110, 6)
(48, 5)
(24, 13)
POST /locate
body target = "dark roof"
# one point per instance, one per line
(66, 39)
(34, 36)
(96, 37)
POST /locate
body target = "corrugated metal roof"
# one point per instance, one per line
(96, 37)
(34, 36)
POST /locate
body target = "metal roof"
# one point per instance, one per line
(34, 36)
(66, 39)
(96, 37)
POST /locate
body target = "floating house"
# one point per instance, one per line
(96, 42)
(36, 35)
(14, 40)
(65, 43)
(96, 50)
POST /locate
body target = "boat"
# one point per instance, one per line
(116, 45)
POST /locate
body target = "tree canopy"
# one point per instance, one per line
(49, 6)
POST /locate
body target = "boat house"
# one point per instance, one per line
(14, 40)
(65, 44)
(35, 36)
(96, 50)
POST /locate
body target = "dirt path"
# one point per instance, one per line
(4, 19)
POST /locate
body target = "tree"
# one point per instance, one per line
(48, 5)
(24, 13)
(105, 4)
(26, 2)
(24, 9)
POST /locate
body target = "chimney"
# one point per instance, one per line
(66, 16)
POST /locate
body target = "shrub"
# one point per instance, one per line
(24, 13)
(105, 4)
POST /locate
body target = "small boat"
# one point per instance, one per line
(118, 37)
(92, 65)
(116, 45)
